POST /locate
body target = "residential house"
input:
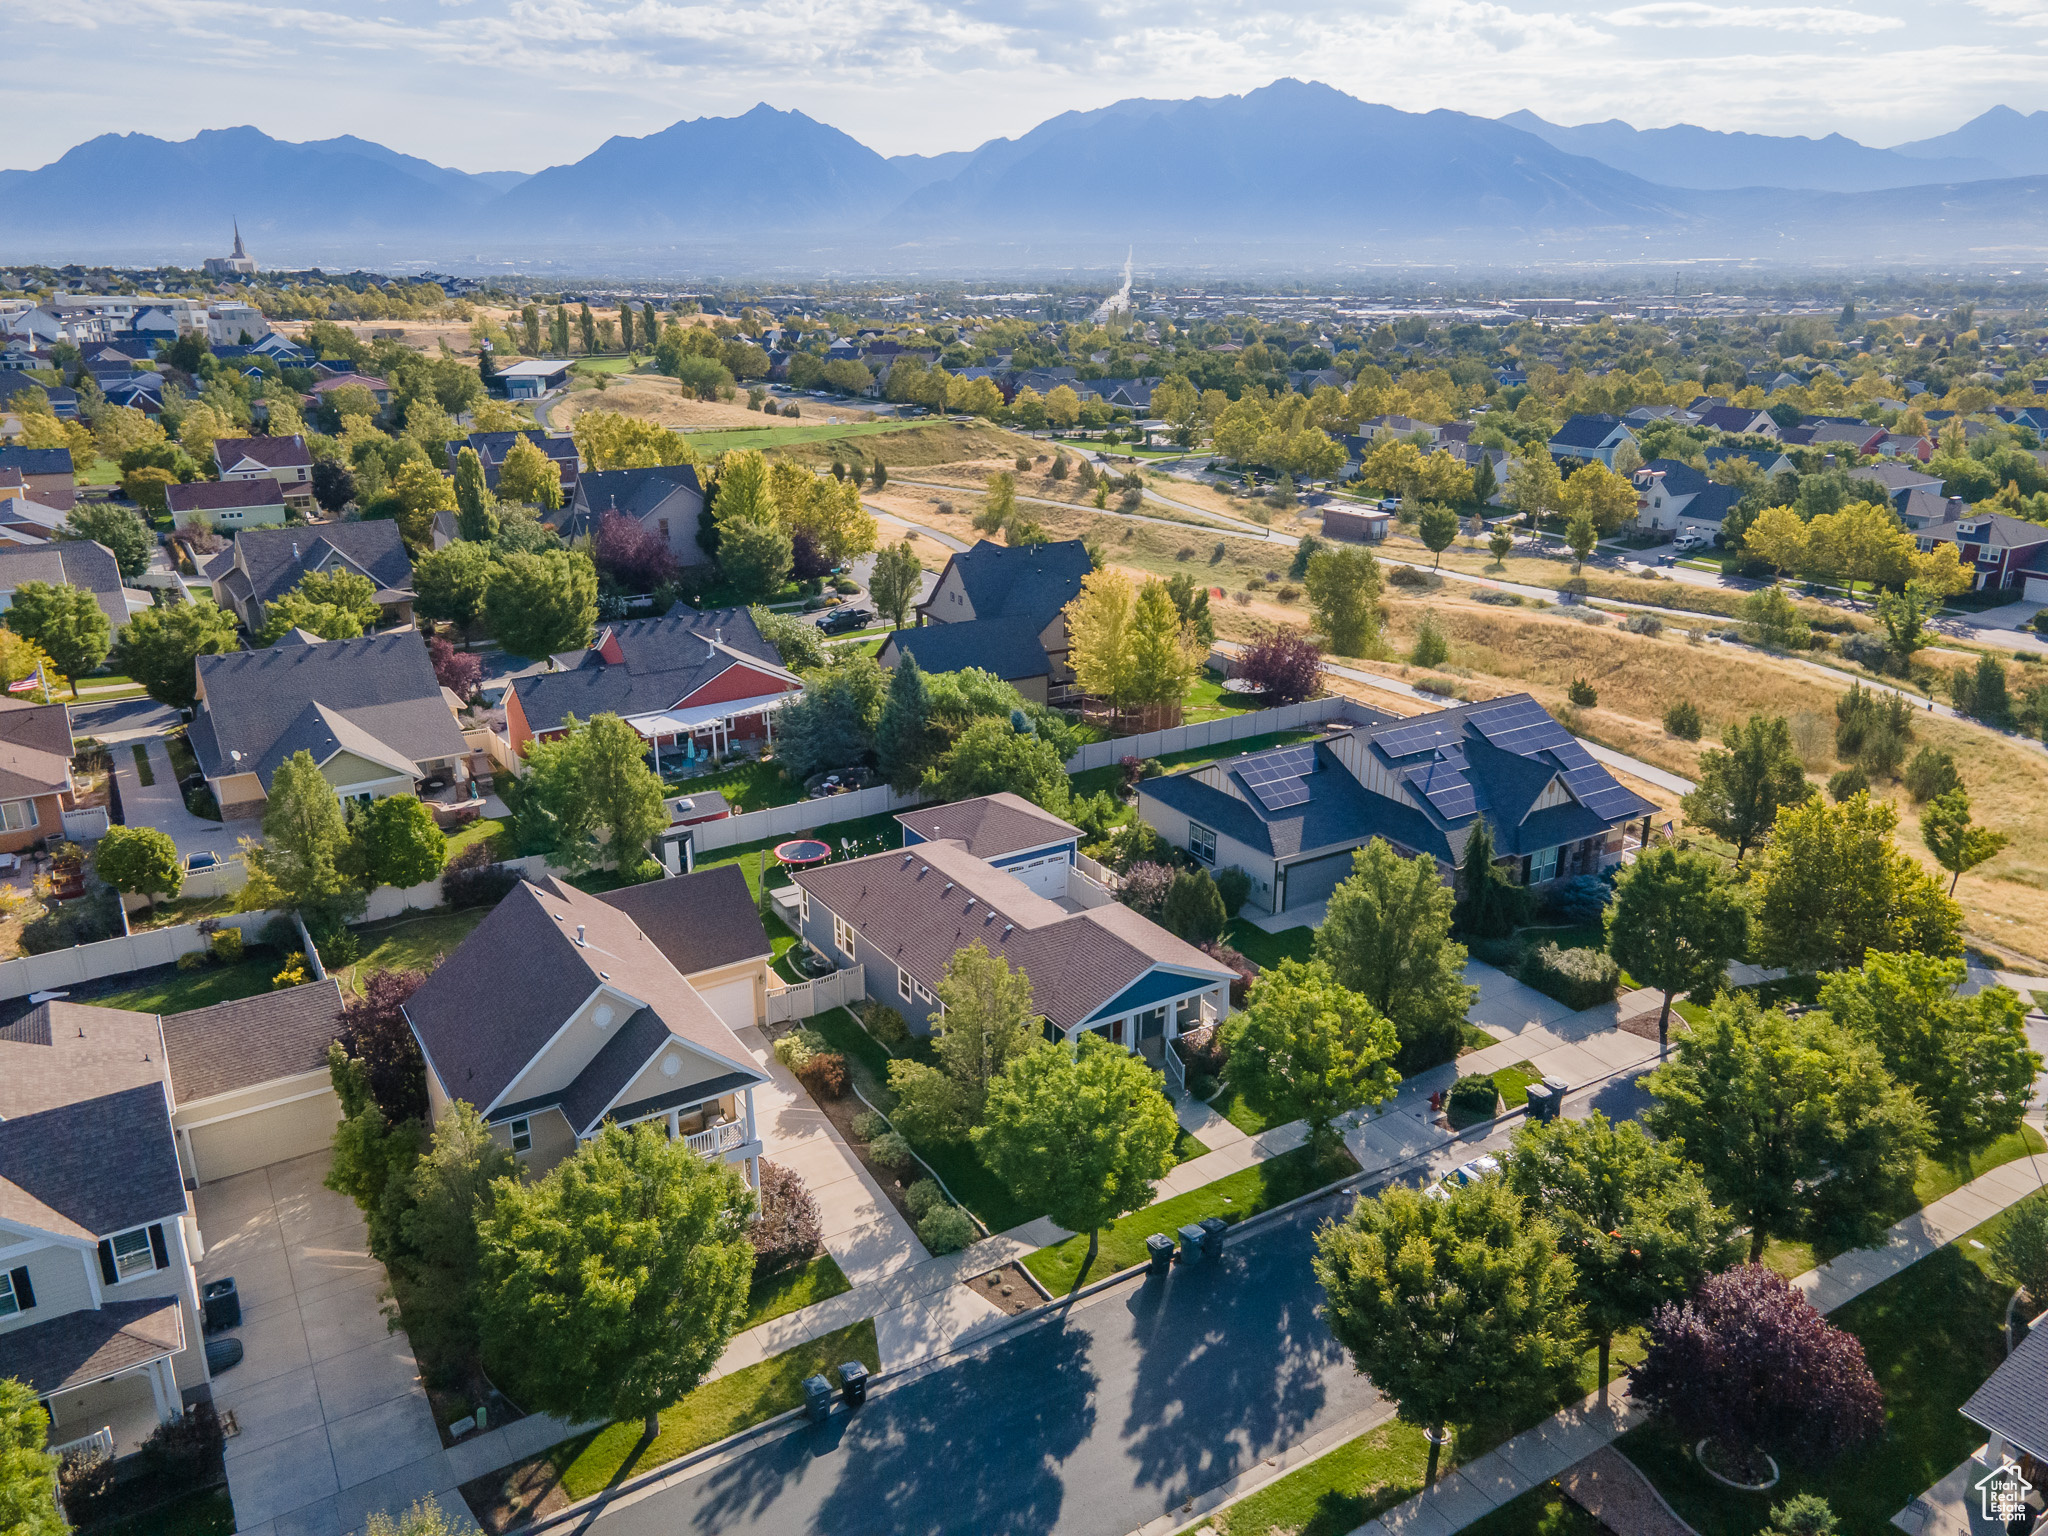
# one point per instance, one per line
(142, 392)
(1002, 873)
(379, 390)
(1377, 428)
(72, 562)
(491, 448)
(997, 594)
(369, 711)
(1291, 817)
(1671, 494)
(227, 505)
(232, 321)
(1898, 478)
(63, 402)
(1742, 420)
(533, 377)
(1770, 460)
(2004, 551)
(559, 1015)
(707, 678)
(708, 927)
(1904, 445)
(1591, 437)
(35, 772)
(47, 472)
(25, 524)
(1922, 508)
(1862, 438)
(286, 460)
(2012, 1410)
(667, 500)
(265, 563)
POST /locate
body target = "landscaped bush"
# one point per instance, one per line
(1145, 888)
(85, 1481)
(1581, 899)
(1408, 576)
(227, 945)
(946, 1229)
(870, 1125)
(891, 1151)
(1193, 909)
(1683, 720)
(338, 946)
(886, 1025)
(472, 879)
(1844, 782)
(1235, 887)
(923, 1198)
(798, 1047)
(824, 1074)
(185, 1453)
(787, 1230)
(87, 921)
(1932, 772)
(1474, 1097)
(1203, 1050)
(1578, 978)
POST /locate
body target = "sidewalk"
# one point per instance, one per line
(1531, 1458)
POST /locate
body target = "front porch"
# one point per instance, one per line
(105, 1373)
(718, 1130)
(112, 1417)
(1148, 1027)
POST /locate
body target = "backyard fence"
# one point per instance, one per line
(807, 999)
(62, 968)
(789, 820)
(86, 826)
(1221, 733)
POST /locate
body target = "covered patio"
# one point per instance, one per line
(708, 729)
(105, 1374)
(1158, 1008)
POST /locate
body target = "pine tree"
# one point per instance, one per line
(476, 510)
(906, 742)
(586, 323)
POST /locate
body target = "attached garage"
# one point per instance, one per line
(1312, 880)
(1046, 875)
(732, 1001)
(249, 1082)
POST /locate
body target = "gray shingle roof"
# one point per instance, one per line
(379, 689)
(1008, 647)
(666, 660)
(1680, 478)
(78, 1348)
(251, 1040)
(92, 1168)
(1585, 431)
(219, 495)
(635, 492)
(700, 921)
(277, 559)
(921, 905)
(37, 461)
(271, 452)
(1033, 583)
(2013, 1403)
(35, 748)
(990, 825)
(76, 562)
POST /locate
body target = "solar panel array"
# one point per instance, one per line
(1280, 777)
(1442, 782)
(1524, 727)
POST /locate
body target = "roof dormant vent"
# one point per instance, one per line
(970, 905)
(1008, 928)
(948, 890)
(579, 936)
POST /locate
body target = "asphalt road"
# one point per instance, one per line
(1146, 1395)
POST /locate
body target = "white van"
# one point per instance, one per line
(1691, 538)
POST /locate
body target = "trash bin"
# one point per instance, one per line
(1159, 1252)
(1541, 1107)
(1190, 1243)
(1557, 1092)
(853, 1383)
(223, 1305)
(817, 1399)
(1213, 1228)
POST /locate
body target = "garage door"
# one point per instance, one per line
(2037, 589)
(274, 1135)
(1046, 876)
(1313, 880)
(733, 1002)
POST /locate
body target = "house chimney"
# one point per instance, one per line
(579, 936)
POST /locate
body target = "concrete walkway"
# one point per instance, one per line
(162, 806)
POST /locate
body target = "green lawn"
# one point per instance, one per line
(793, 1289)
(607, 364)
(870, 834)
(1541, 1511)
(1207, 700)
(142, 769)
(169, 914)
(710, 443)
(1231, 1105)
(485, 829)
(590, 1463)
(780, 940)
(183, 762)
(749, 787)
(1931, 1335)
(412, 943)
(1264, 949)
(1260, 1187)
(1512, 1081)
(104, 471)
(182, 991)
(1339, 1491)
(1111, 777)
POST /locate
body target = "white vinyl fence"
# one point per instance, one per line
(1221, 733)
(86, 826)
(63, 968)
(791, 820)
(807, 999)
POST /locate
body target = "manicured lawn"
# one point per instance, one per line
(1230, 1104)
(1264, 949)
(794, 1288)
(180, 991)
(592, 1462)
(1207, 700)
(413, 943)
(749, 787)
(169, 914)
(1541, 1511)
(142, 769)
(1242, 1194)
(869, 834)
(485, 829)
(1931, 1335)
(962, 1171)
(1511, 1081)
(780, 940)
(183, 762)
(1340, 1491)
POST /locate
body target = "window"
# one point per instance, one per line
(1202, 843)
(522, 1135)
(908, 986)
(18, 815)
(132, 1254)
(1543, 866)
(664, 530)
(803, 905)
(842, 935)
(16, 1293)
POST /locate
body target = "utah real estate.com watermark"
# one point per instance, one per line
(2005, 1494)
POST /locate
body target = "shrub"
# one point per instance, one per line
(870, 1125)
(1683, 720)
(1578, 978)
(923, 1198)
(1247, 973)
(197, 960)
(1204, 1050)
(1932, 772)
(1643, 624)
(1866, 651)
(200, 803)
(1475, 1095)
(886, 1025)
(946, 1229)
(891, 1151)
(825, 1075)
(1431, 648)
(798, 1047)
(1408, 576)
(186, 1452)
(471, 879)
(1443, 687)
(85, 1480)
(227, 945)
(1493, 595)
(1808, 1514)
(1146, 885)
(788, 1229)
(1193, 909)
(338, 947)
(1844, 782)
(88, 921)
(2019, 1254)
(1582, 693)
(1235, 887)
(1581, 899)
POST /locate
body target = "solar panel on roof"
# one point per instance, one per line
(1279, 777)
(1278, 794)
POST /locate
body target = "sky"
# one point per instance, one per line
(521, 84)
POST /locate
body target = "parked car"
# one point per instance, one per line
(1692, 538)
(846, 618)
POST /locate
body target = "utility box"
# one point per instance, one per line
(1158, 1253)
(853, 1383)
(817, 1399)
(1213, 1228)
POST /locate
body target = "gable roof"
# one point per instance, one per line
(277, 559)
(1033, 583)
(635, 492)
(35, 748)
(2013, 1402)
(1008, 647)
(266, 452)
(494, 1005)
(224, 495)
(1736, 418)
(376, 696)
(251, 1040)
(73, 562)
(97, 1166)
(699, 922)
(1994, 530)
(662, 661)
(1680, 478)
(989, 826)
(37, 461)
(922, 904)
(1587, 432)
(1896, 477)
(93, 1343)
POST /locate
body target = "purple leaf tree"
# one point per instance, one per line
(1284, 663)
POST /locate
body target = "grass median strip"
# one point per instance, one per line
(142, 768)
(1245, 1193)
(793, 1289)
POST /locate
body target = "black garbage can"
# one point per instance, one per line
(817, 1399)
(1213, 1228)
(1158, 1253)
(853, 1383)
(1557, 1092)
(222, 1306)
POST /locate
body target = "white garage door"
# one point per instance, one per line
(1046, 876)
(733, 1002)
(274, 1135)
(2037, 589)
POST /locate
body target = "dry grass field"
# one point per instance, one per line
(661, 399)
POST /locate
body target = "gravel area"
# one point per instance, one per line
(1609, 1488)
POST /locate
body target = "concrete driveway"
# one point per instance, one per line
(160, 805)
(331, 1423)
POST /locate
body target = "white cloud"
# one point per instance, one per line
(1786, 18)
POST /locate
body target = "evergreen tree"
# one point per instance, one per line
(586, 324)
(1490, 904)
(906, 740)
(476, 509)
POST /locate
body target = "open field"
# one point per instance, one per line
(661, 399)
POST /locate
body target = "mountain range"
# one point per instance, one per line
(1291, 176)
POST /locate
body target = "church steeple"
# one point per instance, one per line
(240, 254)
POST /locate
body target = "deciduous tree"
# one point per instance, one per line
(612, 1284)
(1306, 1048)
(298, 865)
(1343, 593)
(28, 1472)
(1957, 843)
(1742, 788)
(1833, 886)
(1387, 936)
(989, 1020)
(67, 622)
(991, 756)
(120, 530)
(449, 584)
(1676, 922)
(159, 646)
(894, 585)
(541, 604)
(1285, 664)
(1438, 528)
(394, 841)
(437, 1273)
(141, 861)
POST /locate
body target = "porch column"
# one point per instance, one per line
(675, 1124)
(164, 1388)
(750, 1115)
(754, 1172)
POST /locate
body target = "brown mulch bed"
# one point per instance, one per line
(512, 1497)
(1007, 1288)
(1607, 1486)
(1644, 1025)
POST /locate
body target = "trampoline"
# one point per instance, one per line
(802, 853)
